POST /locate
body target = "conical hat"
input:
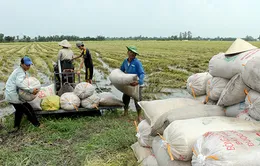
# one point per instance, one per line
(64, 43)
(238, 46)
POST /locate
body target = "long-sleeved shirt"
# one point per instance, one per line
(134, 67)
(15, 82)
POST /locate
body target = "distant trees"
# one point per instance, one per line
(182, 36)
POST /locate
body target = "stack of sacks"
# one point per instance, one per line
(86, 93)
(227, 148)
(122, 82)
(231, 66)
(30, 83)
(180, 136)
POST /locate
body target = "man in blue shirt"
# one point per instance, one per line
(132, 65)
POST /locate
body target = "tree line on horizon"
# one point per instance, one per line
(182, 36)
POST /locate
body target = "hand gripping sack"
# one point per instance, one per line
(31, 83)
(69, 101)
(50, 103)
(84, 90)
(196, 83)
(228, 66)
(234, 92)
(227, 148)
(215, 86)
(122, 82)
(91, 102)
(181, 135)
(108, 99)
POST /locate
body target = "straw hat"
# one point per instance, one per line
(64, 43)
(239, 46)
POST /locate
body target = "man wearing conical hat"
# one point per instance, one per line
(132, 65)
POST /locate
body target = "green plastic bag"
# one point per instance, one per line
(51, 103)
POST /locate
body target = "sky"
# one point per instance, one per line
(123, 18)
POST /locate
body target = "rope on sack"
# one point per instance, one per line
(208, 157)
(168, 147)
(248, 97)
(193, 92)
(76, 108)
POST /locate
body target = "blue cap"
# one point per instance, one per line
(27, 60)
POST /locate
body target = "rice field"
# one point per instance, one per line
(102, 140)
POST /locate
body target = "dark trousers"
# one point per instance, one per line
(126, 100)
(24, 108)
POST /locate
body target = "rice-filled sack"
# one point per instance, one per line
(162, 156)
(91, 102)
(155, 108)
(181, 135)
(149, 161)
(50, 103)
(251, 73)
(108, 99)
(234, 92)
(187, 112)
(227, 65)
(245, 116)
(84, 90)
(215, 86)
(227, 148)
(30, 83)
(69, 101)
(46, 91)
(234, 110)
(252, 102)
(140, 152)
(143, 134)
(122, 82)
(196, 83)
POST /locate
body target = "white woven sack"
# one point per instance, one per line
(245, 116)
(140, 152)
(196, 83)
(229, 148)
(108, 99)
(118, 77)
(84, 90)
(234, 110)
(69, 101)
(162, 156)
(233, 92)
(91, 102)
(143, 134)
(122, 82)
(187, 112)
(251, 74)
(149, 161)
(36, 103)
(30, 83)
(154, 109)
(228, 66)
(46, 91)
(253, 104)
(215, 86)
(182, 134)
